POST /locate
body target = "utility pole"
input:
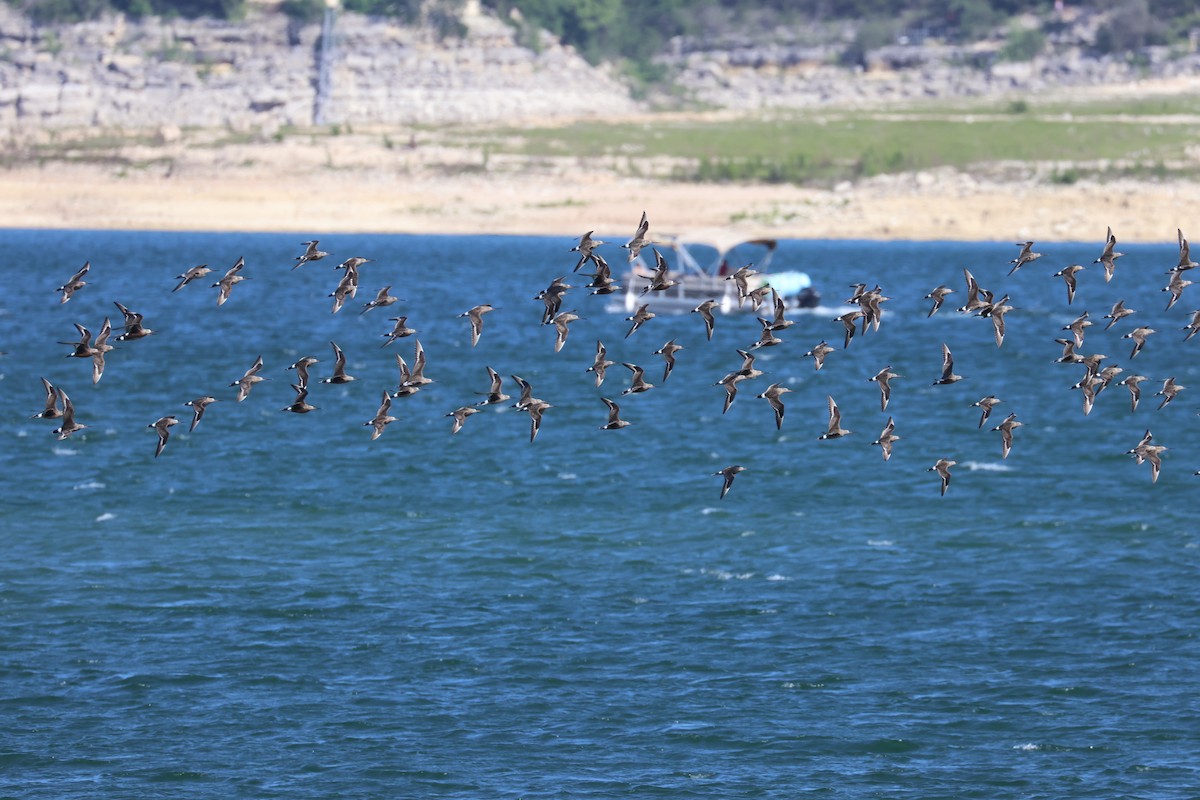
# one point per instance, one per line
(325, 65)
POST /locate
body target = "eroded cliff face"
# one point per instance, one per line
(263, 73)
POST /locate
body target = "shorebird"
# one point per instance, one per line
(311, 253)
(347, 287)
(51, 408)
(382, 299)
(99, 349)
(475, 316)
(551, 298)
(460, 417)
(728, 474)
(973, 292)
(83, 348)
(536, 408)
(639, 240)
(779, 319)
(405, 387)
(134, 329)
(848, 319)
(705, 312)
(870, 304)
(585, 247)
(1006, 429)
(659, 281)
(883, 378)
(668, 351)
(561, 320)
(818, 354)
(1077, 326)
(1119, 311)
(1168, 391)
(1135, 391)
(382, 418)
(758, 296)
(301, 366)
(942, 468)
(996, 312)
(773, 395)
(1068, 275)
(602, 279)
(352, 263)
(226, 283)
(68, 425)
(526, 396)
(835, 422)
(746, 371)
(938, 296)
(767, 337)
(494, 394)
(198, 405)
(1139, 339)
(600, 363)
(247, 381)
(1108, 257)
(339, 367)
(1192, 327)
(75, 283)
(1025, 256)
(189, 275)
(300, 405)
(162, 427)
(1176, 286)
(948, 375)
(741, 280)
(1146, 451)
(639, 318)
(614, 416)
(986, 404)
(886, 439)
(398, 331)
(1069, 356)
(637, 383)
(1185, 256)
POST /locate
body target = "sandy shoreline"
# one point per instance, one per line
(317, 203)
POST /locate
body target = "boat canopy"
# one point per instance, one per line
(722, 241)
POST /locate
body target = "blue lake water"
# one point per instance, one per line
(280, 607)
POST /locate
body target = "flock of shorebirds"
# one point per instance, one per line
(865, 316)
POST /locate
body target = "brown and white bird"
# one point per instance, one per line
(311, 253)
(660, 280)
(1077, 327)
(942, 468)
(773, 394)
(382, 418)
(602, 280)
(614, 416)
(536, 408)
(561, 322)
(347, 288)
(600, 363)
(848, 319)
(639, 318)
(83, 347)
(818, 354)
(1006, 429)
(68, 425)
(1176, 286)
(552, 297)
(189, 275)
(1145, 451)
(228, 280)
(883, 378)
(398, 331)
(1168, 391)
(1027, 255)
(706, 313)
(162, 427)
(1192, 327)
(637, 382)
(51, 409)
(460, 417)
(585, 247)
(383, 298)
(835, 422)
(1119, 312)
(1132, 383)
(100, 349)
(247, 381)
(76, 283)
(668, 351)
(475, 317)
(639, 240)
(1068, 275)
(300, 405)
(986, 404)
(301, 366)
(198, 405)
(1185, 255)
(948, 375)
(887, 438)
(134, 327)
(1138, 335)
(938, 296)
(494, 394)
(339, 367)
(728, 474)
(1108, 258)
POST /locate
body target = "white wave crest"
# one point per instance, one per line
(106, 516)
(986, 466)
(64, 451)
(87, 485)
